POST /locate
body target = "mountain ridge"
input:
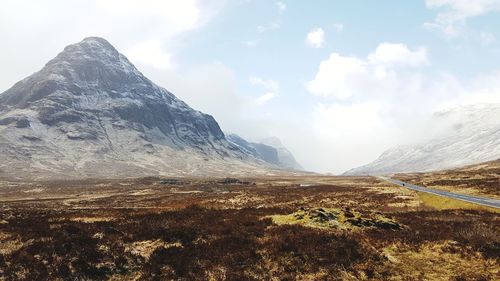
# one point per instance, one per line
(466, 135)
(270, 150)
(90, 113)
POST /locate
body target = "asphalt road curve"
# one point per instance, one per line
(494, 203)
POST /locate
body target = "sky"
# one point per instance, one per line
(338, 82)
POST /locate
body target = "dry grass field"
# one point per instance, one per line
(481, 180)
(300, 228)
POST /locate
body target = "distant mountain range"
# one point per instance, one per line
(270, 150)
(90, 113)
(464, 136)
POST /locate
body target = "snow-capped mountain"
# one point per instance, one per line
(464, 136)
(90, 113)
(270, 150)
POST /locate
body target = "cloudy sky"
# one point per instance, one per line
(337, 81)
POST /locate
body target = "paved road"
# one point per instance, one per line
(467, 198)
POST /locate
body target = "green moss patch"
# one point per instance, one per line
(328, 218)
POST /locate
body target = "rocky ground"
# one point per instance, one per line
(295, 228)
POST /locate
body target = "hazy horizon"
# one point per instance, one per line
(337, 82)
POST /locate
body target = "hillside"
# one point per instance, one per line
(456, 138)
(90, 113)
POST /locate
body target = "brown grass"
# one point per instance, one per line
(481, 180)
(253, 229)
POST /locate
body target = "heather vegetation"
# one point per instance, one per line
(251, 229)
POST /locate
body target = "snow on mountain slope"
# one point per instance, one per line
(90, 113)
(465, 135)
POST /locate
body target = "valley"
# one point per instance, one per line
(250, 140)
(256, 228)
(107, 176)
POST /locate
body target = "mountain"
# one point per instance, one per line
(269, 150)
(90, 113)
(286, 158)
(464, 136)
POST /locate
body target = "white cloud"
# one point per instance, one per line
(338, 121)
(51, 25)
(344, 77)
(266, 97)
(383, 99)
(351, 133)
(268, 27)
(478, 90)
(339, 27)
(270, 86)
(390, 54)
(175, 15)
(337, 76)
(150, 53)
(452, 18)
(316, 38)
(281, 7)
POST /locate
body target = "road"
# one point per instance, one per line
(494, 203)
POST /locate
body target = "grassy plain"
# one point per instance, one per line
(297, 228)
(480, 180)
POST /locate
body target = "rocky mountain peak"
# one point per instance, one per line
(91, 105)
(94, 51)
(90, 66)
(93, 46)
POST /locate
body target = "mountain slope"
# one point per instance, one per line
(467, 135)
(269, 150)
(286, 158)
(90, 113)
